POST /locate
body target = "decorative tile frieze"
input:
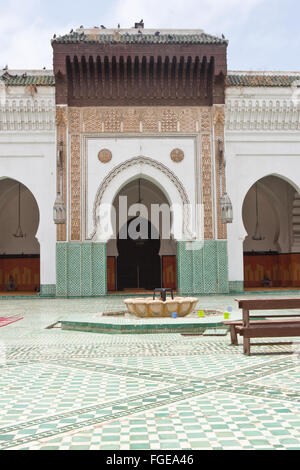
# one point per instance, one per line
(207, 186)
(61, 123)
(139, 119)
(75, 188)
(74, 120)
(112, 119)
(205, 120)
(48, 290)
(150, 121)
(236, 286)
(169, 121)
(219, 123)
(130, 121)
(90, 120)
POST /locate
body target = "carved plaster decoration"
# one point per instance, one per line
(61, 116)
(207, 186)
(262, 114)
(177, 155)
(24, 113)
(61, 120)
(75, 189)
(139, 119)
(219, 123)
(105, 156)
(219, 117)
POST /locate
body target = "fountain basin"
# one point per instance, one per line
(149, 308)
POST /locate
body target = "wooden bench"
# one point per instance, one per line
(273, 326)
(235, 326)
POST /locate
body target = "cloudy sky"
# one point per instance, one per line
(263, 34)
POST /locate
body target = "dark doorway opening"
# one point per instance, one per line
(139, 264)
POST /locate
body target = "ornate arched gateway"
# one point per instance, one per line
(153, 259)
(131, 109)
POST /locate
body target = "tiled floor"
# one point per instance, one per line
(71, 390)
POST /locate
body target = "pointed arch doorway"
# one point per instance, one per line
(271, 212)
(19, 247)
(139, 263)
(146, 262)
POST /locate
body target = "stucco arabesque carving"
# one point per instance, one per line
(266, 114)
(27, 114)
(144, 161)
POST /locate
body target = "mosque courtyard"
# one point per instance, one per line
(68, 390)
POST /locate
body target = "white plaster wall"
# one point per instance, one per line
(123, 149)
(29, 157)
(252, 154)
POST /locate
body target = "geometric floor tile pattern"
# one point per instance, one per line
(74, 391)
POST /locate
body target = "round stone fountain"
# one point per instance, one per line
(149, 308)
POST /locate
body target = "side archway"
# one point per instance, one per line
(271, 248)
(19, 246)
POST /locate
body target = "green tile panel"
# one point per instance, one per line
(81, 269)
(202, 267)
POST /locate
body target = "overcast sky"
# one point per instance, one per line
(263, 34)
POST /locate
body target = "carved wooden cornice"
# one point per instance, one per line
(91, 74)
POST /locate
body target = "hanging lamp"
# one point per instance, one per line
(225, 202)
(19, 233)
(257, 235)
(140, 241)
